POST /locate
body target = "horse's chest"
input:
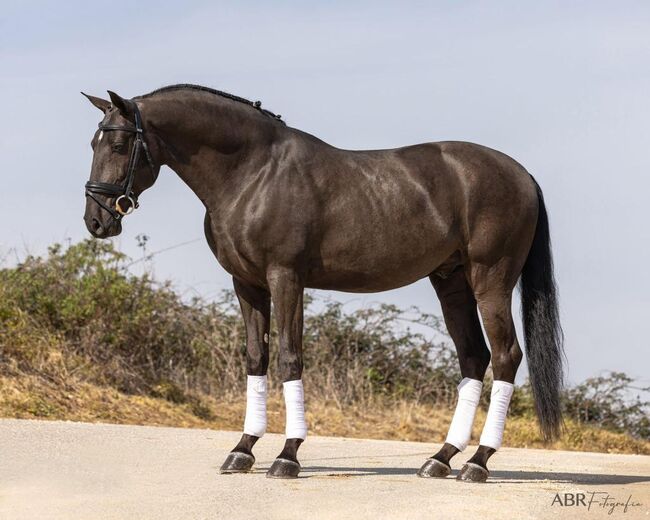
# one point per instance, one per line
(235, 250)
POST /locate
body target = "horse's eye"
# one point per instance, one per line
(117, 147)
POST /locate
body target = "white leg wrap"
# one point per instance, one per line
(255, 422)
(294, 400)
(496, 417)
(460, 430)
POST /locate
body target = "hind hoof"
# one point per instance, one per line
(473, 473)
(433, 468)
(283, 468)
(237, 462)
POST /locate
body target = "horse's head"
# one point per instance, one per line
(122, 166)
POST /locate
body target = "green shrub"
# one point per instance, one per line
(138, 335)
(79, 314)
(607, 402)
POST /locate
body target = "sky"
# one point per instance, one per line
(562, 87)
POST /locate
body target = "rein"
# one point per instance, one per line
(124, 191)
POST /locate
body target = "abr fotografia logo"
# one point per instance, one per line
(595, 500)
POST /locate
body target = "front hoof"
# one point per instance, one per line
(472, 472)
(433, 468)
(283, 468)
(237, 462)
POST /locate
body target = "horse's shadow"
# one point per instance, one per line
(511, 477)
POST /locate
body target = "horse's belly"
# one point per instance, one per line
(361, 282)
(381, 266)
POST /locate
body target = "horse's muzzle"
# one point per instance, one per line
(103, 229)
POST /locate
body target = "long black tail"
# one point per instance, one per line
(542, 330)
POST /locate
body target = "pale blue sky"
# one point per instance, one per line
(564, 89)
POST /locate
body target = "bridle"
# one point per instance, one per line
(124, 191)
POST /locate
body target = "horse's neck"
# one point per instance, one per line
(214, 150)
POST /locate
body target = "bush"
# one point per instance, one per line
(80, 315)
(138, 335)
(605, 401)
(127, 331)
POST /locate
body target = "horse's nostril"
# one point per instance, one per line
(97, 227)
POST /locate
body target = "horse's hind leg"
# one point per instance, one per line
(255, 305)
(493, 290)
(461, 317)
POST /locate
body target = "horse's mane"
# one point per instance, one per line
(257, 105)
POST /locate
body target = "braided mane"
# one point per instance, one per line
(257, 105)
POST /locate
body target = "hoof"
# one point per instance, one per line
(283, 468)
(433, 468)
(473, 473)
(237, 462)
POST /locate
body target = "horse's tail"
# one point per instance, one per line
(542, 330)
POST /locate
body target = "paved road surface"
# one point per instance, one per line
(97, 471)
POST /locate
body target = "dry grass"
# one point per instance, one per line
(83, 339)
(31, 397)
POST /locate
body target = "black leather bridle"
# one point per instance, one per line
(124, 191)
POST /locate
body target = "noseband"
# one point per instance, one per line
(123, 191)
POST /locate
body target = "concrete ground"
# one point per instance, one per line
(83, 471)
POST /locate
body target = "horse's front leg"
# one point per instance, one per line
(255, 305)
(287, 295)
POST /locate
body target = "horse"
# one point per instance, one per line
(286, 211)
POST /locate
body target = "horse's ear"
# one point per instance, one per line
(100, 103)
(125, 106)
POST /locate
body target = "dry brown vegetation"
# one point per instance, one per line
(82, 339)
(32, 397)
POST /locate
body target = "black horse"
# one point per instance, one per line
(286, 211)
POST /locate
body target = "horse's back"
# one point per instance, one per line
(391, 217)
(368, 221)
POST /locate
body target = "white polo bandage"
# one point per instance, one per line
(496, 417)
(256, 392)
(460, 430)
(294, 400)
